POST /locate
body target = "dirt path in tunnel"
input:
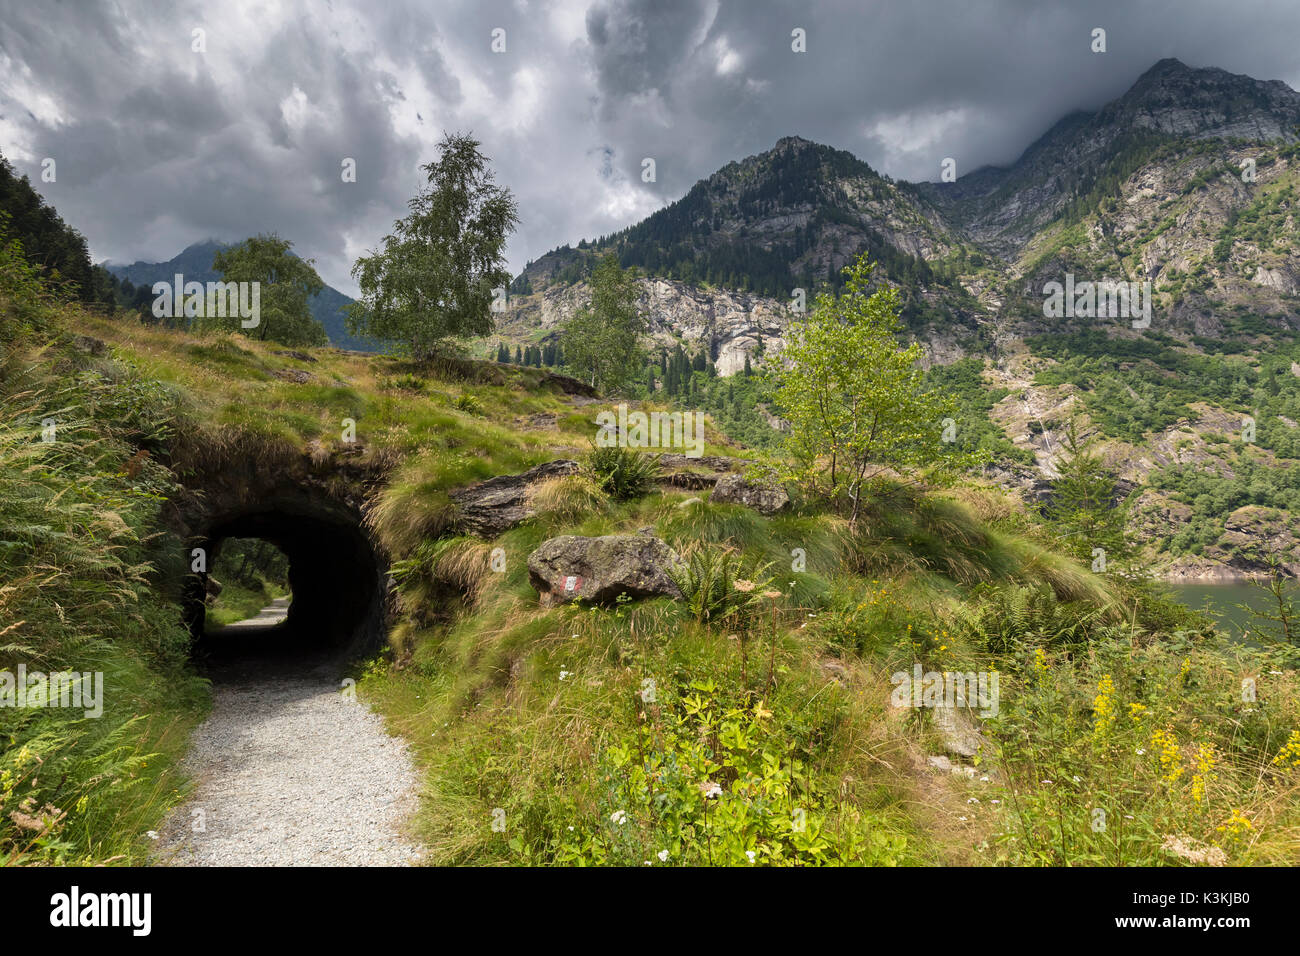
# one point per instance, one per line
(291, 771)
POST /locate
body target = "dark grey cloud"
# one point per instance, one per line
(158, 146)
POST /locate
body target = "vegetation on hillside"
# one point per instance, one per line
(88, 584)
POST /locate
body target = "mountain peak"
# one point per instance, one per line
(793, 142)
(1170, 65)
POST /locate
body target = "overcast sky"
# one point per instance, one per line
(158, 146)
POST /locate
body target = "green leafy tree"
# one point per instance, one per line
(601, 341)
(436, 276)
(1085, 506)
(286, 283)
(854, 399)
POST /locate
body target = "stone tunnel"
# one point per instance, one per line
(313, 514)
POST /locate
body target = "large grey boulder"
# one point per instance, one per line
(496, 505)
(737, 490)
(572, 568)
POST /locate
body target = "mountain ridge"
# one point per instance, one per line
(195, 262)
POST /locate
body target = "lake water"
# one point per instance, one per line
(1222, 601)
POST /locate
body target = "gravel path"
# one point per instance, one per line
(290, 771)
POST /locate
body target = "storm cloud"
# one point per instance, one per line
(158, 144)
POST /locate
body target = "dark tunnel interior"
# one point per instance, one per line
(334, 572)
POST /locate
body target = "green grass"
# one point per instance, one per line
(542, 713)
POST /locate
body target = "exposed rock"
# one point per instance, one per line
(960, 735)
(87, 343)
(715, 462)
(498, 504)
(538, 421)
(738, 490)
(296, 375)
(689, 480)
(569, 385)
(944, 765)
(294, 354)
(598, 570)
(836, 671)
(212, 589)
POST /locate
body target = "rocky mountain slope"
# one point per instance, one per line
(1187, 181)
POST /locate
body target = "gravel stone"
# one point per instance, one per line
(291, 771)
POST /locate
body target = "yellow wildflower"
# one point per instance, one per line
(1103, 706)
(1204, 771)
(1170, 766)
(1289, 756)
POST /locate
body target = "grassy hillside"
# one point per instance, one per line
(749, 723)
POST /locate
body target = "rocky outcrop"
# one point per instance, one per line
(598, 570)
(737, 490)
(496, 505)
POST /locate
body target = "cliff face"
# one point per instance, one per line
(1188, 181)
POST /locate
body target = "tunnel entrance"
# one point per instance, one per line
(335, 577)
(247, 578)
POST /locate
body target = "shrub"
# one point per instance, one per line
(469, 404)
(622, 473)
(720, 587)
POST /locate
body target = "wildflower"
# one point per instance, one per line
(1290, 754)
(1136, 712)
(771, 595)
(1192, 851)
(750, 854)
(1040, 662)
(619, 817)
(1204, 771)
(710, 789)
(563, 674)
(973, 800)
(663, 856)
(1103, 705)
(1236, 826)
(743, 585)
(1170, 766)
(1046, 783)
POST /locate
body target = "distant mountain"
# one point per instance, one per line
(195, 262)
(1188, 179)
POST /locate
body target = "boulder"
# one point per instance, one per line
(713, 462)
(496, 505)
(958, 732)
(737, 490)
(688, 480)
(89, 344)
(598, 570)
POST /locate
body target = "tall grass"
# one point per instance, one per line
(83, 588)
